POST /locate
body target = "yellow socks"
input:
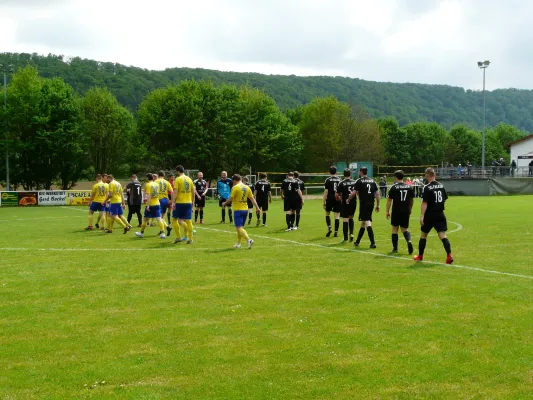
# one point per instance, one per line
(161, 225)
(176, 227)
(189, 229)
(119, 221)
(124, 220)
(239, 236)
(91, 219)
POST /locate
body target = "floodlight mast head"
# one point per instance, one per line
(483, 64)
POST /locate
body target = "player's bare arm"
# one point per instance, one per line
(411, 203)
(389, 203)
(324, 199)
(302, 197)
(423, 209)
(378, 198)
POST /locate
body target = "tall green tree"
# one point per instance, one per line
(43, 119)
(109, 128)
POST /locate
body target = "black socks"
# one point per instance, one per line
(297, 217)
(351, 225)
(395, 241)
(370, 234)
(264, 218)
(195, 215)
(337, 223)
(421, 246)
(223, 215)
(230, 215)
(328, 222)
(407, 236)
(447, 245)
(360, 235)
(345, 230)
(201, 215)
(288, 219)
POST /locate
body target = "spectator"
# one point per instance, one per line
(502, 166)
(530, 168)
(383, 186)
(468, 169)
(459, 170)
(513, 167)
(409, 181)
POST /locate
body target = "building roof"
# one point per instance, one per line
(521, 140)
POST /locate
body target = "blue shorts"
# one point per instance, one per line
(95, 206)
(239, 217)
(116, 209)
(183, 211)
(107, 208)
(163, 203)
(155, 212)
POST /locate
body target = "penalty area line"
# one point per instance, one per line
(487, 271)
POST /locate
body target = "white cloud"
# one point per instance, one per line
(426, 41)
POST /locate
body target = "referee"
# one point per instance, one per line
(134, 193)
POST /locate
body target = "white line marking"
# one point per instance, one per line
(488, 271)
(30, 219)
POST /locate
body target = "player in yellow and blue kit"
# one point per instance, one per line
(165, 190)
(182, 200)
(239, 196)
(152, 210)
(116, 206)
(97, 202)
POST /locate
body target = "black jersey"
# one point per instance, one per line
(301, 184)
(345, 188)
(366, 189)
(435, 196)
(200, 185)
(331, 184)
(290, 188)
(401, 195)
(134, 191)
(263, 189)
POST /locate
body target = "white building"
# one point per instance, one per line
(522, 151)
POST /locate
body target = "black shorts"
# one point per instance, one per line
(291, 204)
(348, 210)
(435, 221)
(199, 202)
(262, 203)
(365, 212)
(400, 219)
(220, 201)
(333, 205)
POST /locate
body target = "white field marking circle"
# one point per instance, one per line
(487, 271)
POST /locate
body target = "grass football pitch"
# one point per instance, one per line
(89, 315)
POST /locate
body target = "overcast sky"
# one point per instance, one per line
(426, 41)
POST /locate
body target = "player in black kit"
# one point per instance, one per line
(432, 216)
(250, 204)
(401, 197)
(292, 199)
(344, 190)
(367, 190)
(330, 200)
(263, 197)
(301, 185)
(201, 187)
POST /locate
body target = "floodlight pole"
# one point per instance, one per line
(483, 65)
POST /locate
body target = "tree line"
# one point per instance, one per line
(56, 137)
(406, 102)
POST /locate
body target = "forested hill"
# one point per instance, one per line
(407, 102)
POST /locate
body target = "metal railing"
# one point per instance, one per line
(487, 173)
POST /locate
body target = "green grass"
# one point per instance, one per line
(299, 316)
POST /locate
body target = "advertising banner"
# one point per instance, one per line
(51, 198)
(27, 199)
(78, 197)
(10, 199)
